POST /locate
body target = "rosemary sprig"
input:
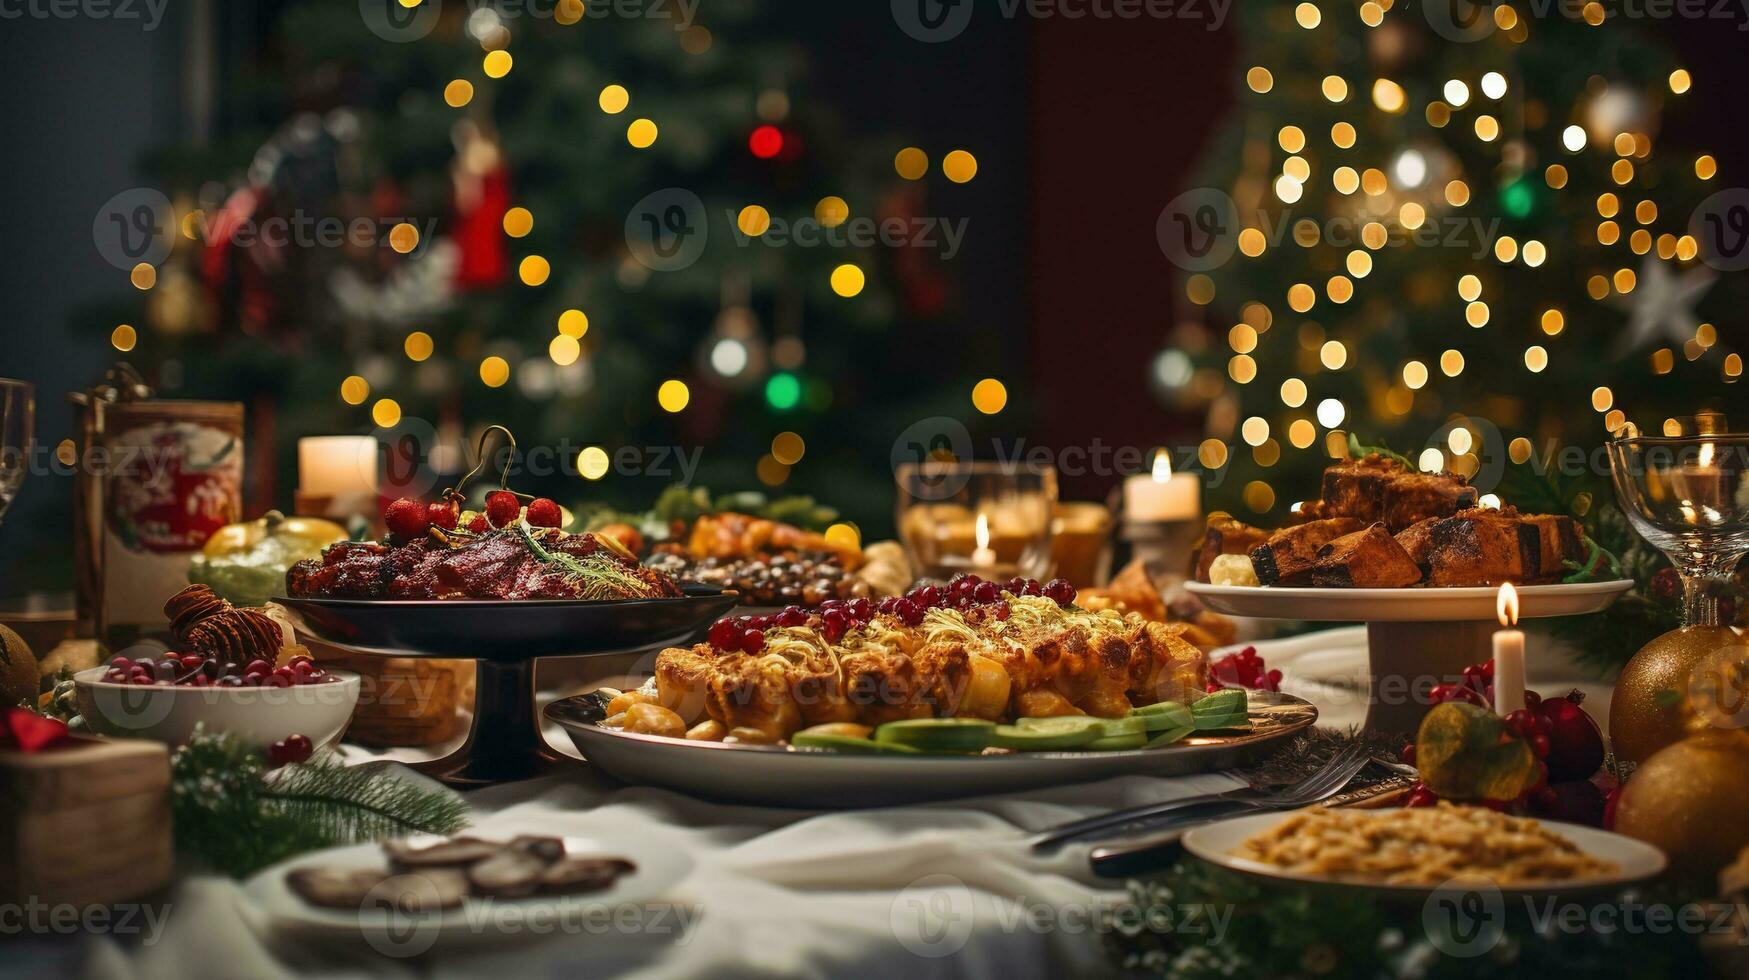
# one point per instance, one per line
(597, 577)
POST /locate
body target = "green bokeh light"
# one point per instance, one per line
(783, 391)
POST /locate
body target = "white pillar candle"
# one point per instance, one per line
(1508, 655)
(337, 466)
(1162, 495)
(983, 556)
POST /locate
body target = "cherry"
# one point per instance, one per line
(543, 512)
(753, 640)
(479, 524)
(725, 635)
(502, 508)
(406, 518)
(443, 513)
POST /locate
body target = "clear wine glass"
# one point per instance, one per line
(1688, 494)
(17, 427)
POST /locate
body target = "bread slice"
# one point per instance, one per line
(1289, 554)
(1366, 559)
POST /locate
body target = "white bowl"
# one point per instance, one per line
(166, 713)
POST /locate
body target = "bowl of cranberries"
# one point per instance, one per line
(164, 696)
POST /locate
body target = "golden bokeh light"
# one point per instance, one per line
(354, 390)
(753, 220)
(458, 93)
(403, 238)
(564, 350)
(673, 395)
(788, 448)
(123, 337)
(386, 413)
(592, 463)
(518, 222)
(911, 163)
(496, 64)
(494, 371)
(832, 211)
(534, 270)
(641, 133)
(614, 99)
(418, 346)
(990, 396)
(848, 280)
(959, 166)
(574, 323)
(143, 276)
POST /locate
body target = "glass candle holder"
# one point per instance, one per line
(990, 519)
(1688, 495)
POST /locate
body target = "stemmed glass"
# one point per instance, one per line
(1688, 494)
(17, 425)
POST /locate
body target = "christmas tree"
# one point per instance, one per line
(1451, 228)
(636, 240)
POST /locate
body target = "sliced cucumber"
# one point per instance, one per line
(1220, 703)
(938, 734)
(1048, 734)
(1127, 725)
(1168, 736)
(837, 743)
(1128, 732)
(1165, 715)
(1052, 720)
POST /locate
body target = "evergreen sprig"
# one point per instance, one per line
(233, 815)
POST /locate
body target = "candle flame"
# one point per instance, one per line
(982, 532)
(1162, 466)
(1707, 451)
(1507, 604)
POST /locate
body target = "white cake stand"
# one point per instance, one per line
(1416, 637)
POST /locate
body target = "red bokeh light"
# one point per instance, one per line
(766, 142)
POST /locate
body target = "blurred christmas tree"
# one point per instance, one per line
(569, 218)
(1448, 226)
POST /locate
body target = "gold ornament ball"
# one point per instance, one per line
(1649, 709)
(18, 670)
(1689, 799)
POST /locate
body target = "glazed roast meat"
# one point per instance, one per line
(502, 564)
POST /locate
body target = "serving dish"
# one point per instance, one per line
(658, 869)
(780, 775)
(168, 713)
(1635, 860)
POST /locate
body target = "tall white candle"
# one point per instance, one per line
(1162, 495)
(337, 466)
(1508, 655)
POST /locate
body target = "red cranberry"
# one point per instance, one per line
(406, 518)
(725, 635)
(502, 508)
(986, 592)
(753, 640)
(792, 616)
(836, 621)
(1002, 610)
(545, 513)
(1032, 587)
(1539, 745)
(121, 663)
(191, 660)
(861, 609)
(292, 748)
(887, 605)
(257, 667)
(1060, 591)
(928, 597)
(1016, 585)
(908, 611)
(479, 524)
(1409, 753)
(443, 513)
(1532, 700)
(1518, 722)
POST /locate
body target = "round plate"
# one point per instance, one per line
(1413, 605)
(508, 629)
(659, 868)
(785, 776)
(1636, 860)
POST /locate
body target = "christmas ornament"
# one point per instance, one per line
(1466, 752)
(18, 670)
(1575, 741)
(1662, 305)
(246, 562)
(1689, 800)
(1649, 708)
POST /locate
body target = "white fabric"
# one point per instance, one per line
(920, 891)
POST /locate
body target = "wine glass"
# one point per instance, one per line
(17, 425)
(1688, 494)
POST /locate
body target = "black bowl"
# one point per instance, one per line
(509, 630)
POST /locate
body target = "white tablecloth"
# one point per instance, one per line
(920, 891)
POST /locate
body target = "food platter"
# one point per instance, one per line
(504, 638)
(658, 869)
(785, 776)
(1635, 860)
(1416, 637)
(1408, 605)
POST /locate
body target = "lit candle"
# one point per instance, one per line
(983, 556)
(1508, 655)
(1162, 495)
(337, 476)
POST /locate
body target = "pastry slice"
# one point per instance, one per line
(1289, 554)
(1412, 497)
(1368, 559)
(1482, 547)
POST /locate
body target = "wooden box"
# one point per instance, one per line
(86, 823)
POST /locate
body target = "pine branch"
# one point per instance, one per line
(353, 803)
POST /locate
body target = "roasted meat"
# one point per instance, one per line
(1224, 536)
(1042, 661)
(1289, 554)
(1367, 559)
(1485, 547)
(1380, 488)
(513, 563)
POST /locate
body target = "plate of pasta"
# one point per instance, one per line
(958, 690)
(1424, 850)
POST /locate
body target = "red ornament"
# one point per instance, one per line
(1575, 742)
(502, 508)
(406, 518)
(766, 142)
(32, 732)
(545, 513)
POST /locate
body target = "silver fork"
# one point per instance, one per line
(1329, 779)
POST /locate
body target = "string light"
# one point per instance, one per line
(1308, 16)
(496, 64)
(1255, 431)
(592, 463)
(1331, 412)
(1457, 93)
(847, 280)
(831, 212)
(614, 99)
(574, 323)
(354, 390)
(959, 166)
(1494, 85)
(673, 395)
(911, 163)
(386, 413)
(1259, 79)
(1536, 358)
(989, 396)
(534, 270)
(1415, 375)
(124, 337)
(418, 346)
(753, 220)
(143, 276)
(458, 93)
(518, 222)
(1293, 392)
(641, 134)
(564, 350)
(494, 371)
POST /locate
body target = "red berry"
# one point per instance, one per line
(502, 508)
(1002, 610)
(986, 592)
(1539, 745)
(1060, 591)
(725, 635)
(545, 513)
(753, 640)
(443, 513)
(1032, 587)
(1518, 722)
(1532, 700)
(292, 748)
(792, 616)
(1409, 753)
(909, 611)
(479, 524)
(406, 518)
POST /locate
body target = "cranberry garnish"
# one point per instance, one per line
(443, 513)
(986, 592)
(1060, 591)
(753, 640)
(908, 611)
(502, 508)
(725, 635)
(292, 748)
(406, 518)
(861, 609)
(792, 616)
(1032, 587)
(545, 513)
